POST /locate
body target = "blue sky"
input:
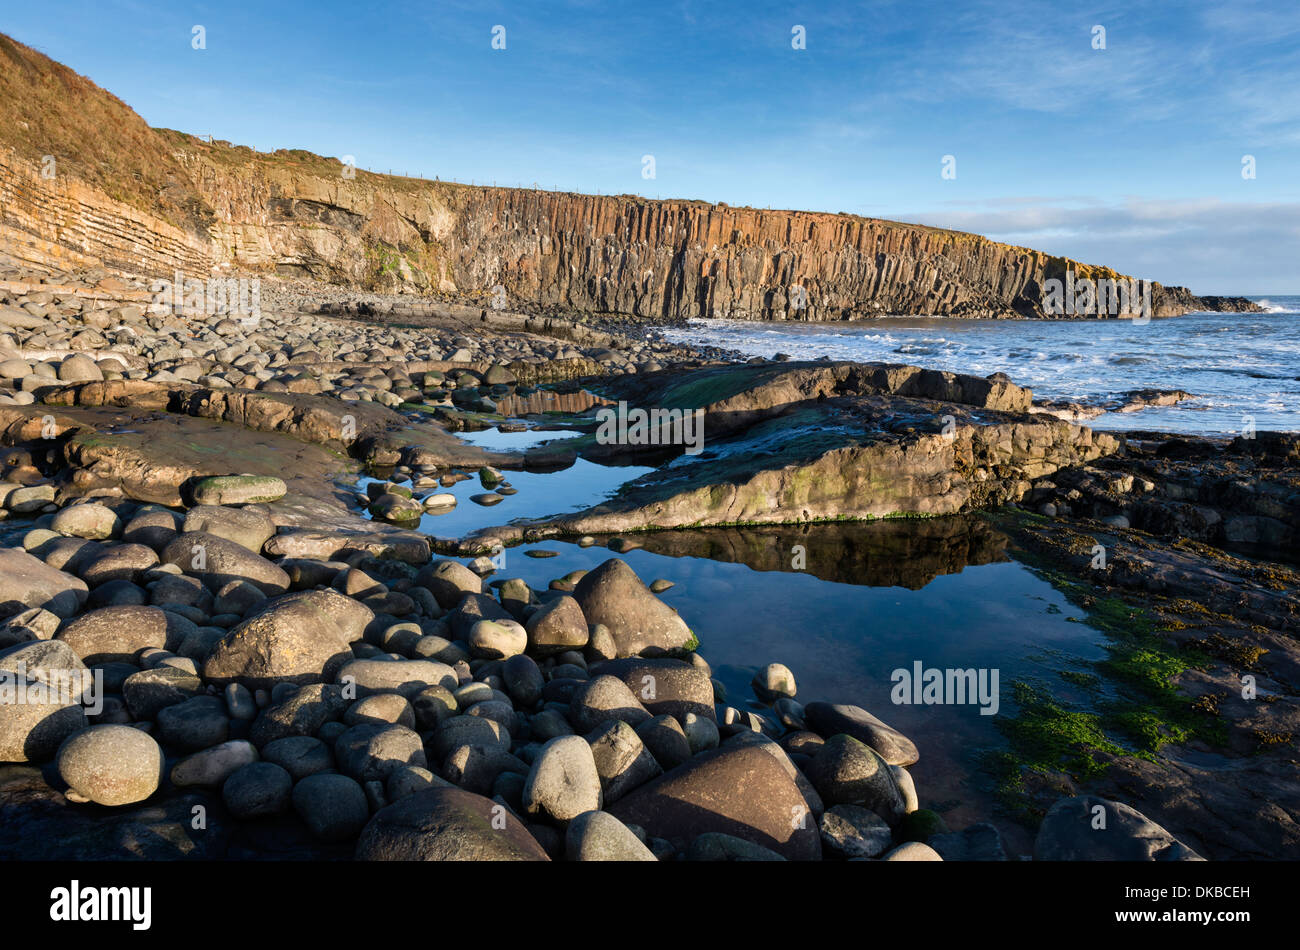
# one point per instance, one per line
(1129, 156)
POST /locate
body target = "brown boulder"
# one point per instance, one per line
(26, 581)
(557, 625)
(218, 561)
(664, 686)
(613, 595)
(739, 790)
(447, 824)
(117, 634)
(298, 638)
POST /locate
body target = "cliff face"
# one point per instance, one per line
(65, 223)
(686, 259)
(294, 213)
(191, 205)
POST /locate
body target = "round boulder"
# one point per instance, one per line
(111, 765)
(333, 807)
(613, 595)
(97, 522)
(563, 782)
(118, 634)
(258, 790)
(447, 824)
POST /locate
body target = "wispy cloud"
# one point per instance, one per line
(1209, 245)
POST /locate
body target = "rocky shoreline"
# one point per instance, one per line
(294, 663)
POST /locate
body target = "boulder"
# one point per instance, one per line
(27, 581)
(33, 624)
(447, 824)
(238, 598)
(149, 692)
(218, 561)
(613, 595)
(458, 731)
(371, 751)
(599, 836)
(665, 686)
(333, 807)
(603, 698)
(153, 527)
(666, 740)
(739, 790)
(381, 708)
(248, 527)
(622, 760)
(854, 832)
(523, 680)
(80, 368)
(556, 626)
(118, 562)
(474, 608)
(848, 772)
(211, 767)
(717, 846)
(33, 731)
(301, 714)
(50, 663)
(405, 677)
(828, 719)
(197, 723)
(497, 639)
(563, 782)
(1088, 828)
(239, 490)
(302, 637)
(912, 851)
(258, 790)
(300, 756)
(118, 634)
(111, 765)
(93, 521)
(449, 581)
(772, 682)
(476, 768)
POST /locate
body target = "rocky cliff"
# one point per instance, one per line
(292, 212)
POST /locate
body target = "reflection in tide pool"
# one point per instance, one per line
(538, 494)
(843, 638)
(865, 599)
(541, 401)
(494, 440)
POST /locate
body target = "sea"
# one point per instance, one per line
(1242, 369)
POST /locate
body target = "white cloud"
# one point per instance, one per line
(1213, 247)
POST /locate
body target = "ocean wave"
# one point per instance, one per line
(1270, 307)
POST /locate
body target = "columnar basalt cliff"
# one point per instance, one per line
(193, 205)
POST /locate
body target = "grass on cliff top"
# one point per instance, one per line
(47, 109)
